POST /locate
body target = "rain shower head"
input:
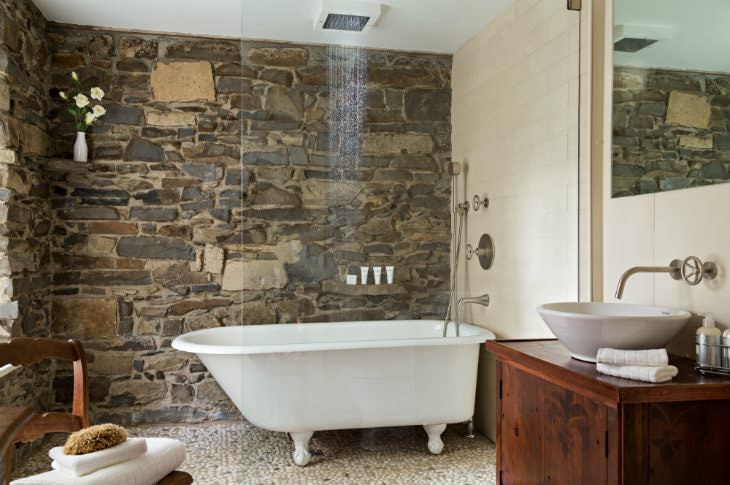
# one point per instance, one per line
(346, 15)
(633, 38)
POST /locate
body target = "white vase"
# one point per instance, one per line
(81, 150)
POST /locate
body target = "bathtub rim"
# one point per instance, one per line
(476, 335)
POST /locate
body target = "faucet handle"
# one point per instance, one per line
(694, 270)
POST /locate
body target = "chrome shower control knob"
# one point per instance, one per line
(479, 202)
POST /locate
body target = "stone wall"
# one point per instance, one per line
(671, 130)
(25, 216)
(221, 194)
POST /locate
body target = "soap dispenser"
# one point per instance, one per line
(725, 349)
(708, 341)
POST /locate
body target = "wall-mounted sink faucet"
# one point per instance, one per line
(692, 270)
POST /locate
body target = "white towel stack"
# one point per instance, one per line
(641, 365)
(81, 465)
(162, 457)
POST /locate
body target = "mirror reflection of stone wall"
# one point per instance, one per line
(671, 130)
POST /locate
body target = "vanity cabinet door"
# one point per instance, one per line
(550, 435)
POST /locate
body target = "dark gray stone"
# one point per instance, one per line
(158, 196)
(101, 196)
(233, 85)
(263, 158)
(203, 171)
(159, 214)
(123, 115)
(428, 105)
(84, 213)
(311, 267)
(143, 150)
(298, 156)
(155, 248)
(626, 170)
(715, 170)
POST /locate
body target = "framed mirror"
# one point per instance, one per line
(671, 95)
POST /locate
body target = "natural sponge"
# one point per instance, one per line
(95, 438)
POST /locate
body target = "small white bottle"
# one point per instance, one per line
(377, 274)
(708, 341)
(364, 270)
(389, 272)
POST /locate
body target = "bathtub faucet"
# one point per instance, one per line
(479, 300)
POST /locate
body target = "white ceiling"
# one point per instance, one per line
(700, 34)
(419, 25)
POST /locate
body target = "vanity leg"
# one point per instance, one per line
(470, 429)
(301, 447)
(435, 445)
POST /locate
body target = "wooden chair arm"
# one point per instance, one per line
(12, 422)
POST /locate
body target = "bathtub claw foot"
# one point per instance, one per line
(301, 447)
(470, 429)
(435, 445)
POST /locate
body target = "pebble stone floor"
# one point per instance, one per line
(237, 453)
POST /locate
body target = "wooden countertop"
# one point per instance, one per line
(549, 359)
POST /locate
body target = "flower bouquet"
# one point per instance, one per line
(85, 112)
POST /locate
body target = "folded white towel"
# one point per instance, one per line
(81, 465)
(639, 372)
(163, 456)
(655, 357)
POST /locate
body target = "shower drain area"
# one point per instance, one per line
(237, 453)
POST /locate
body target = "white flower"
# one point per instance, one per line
(74, 76)
(99, 111)
(62, 95)
(90, 118)
(81, 100)
(97, 94)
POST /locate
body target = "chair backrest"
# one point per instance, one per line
(27, 351)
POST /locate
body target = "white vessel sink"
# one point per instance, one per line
(585, 327)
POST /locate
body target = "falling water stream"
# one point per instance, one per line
(347, 80)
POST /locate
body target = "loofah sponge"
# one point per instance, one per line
(95, 438)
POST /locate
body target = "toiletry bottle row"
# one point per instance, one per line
(377, 275)
(708, 341)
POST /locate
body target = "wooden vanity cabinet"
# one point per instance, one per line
(560, 422)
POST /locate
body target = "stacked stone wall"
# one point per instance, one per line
(217, 195)
(671, 130)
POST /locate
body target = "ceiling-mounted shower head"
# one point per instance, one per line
(346, 15)
(633, 38)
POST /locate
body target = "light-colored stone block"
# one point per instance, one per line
(393, 144)
(4, 96)
(254, 275)
(183, 81)
(327, 193)
(85, 317)
(9, 311)
(6, 289)
(143, 391)
(8, 156)
(112, 363)
(213, 259)
(100, 244)
(687, 109)
(170, 118)
(696, 142)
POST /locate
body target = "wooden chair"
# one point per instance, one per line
(25, 424)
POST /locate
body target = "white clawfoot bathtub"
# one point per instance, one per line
(302, 378)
